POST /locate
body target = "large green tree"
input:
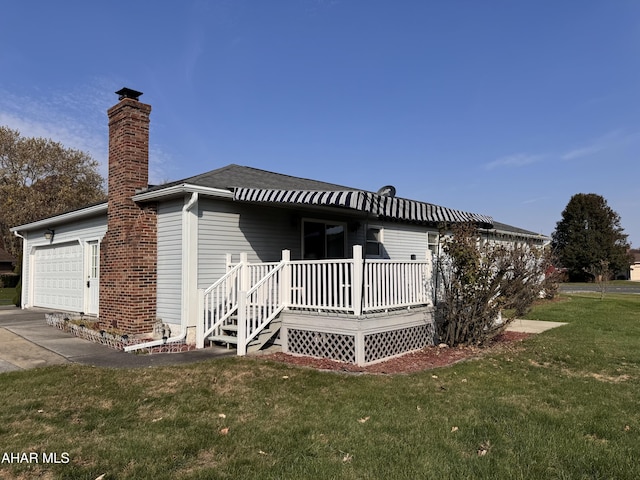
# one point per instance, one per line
(40, 178)
(589, 234)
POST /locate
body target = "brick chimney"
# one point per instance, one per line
(128, 252)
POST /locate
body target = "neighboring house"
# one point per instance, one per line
(634, 268)
(7, 262)
(323, 269)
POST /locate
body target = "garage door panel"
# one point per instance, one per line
(58, 277)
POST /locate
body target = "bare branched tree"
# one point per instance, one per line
(40, 178)
(478, 281)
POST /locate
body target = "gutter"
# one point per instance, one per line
(157, 343)
(182, 189)
(85, 212)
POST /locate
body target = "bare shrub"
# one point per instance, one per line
(478, 281)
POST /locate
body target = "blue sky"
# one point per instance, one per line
(505, 108)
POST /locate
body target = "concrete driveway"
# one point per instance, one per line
(26, 341)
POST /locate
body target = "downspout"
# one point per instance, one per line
(185, 270)
(24, 251)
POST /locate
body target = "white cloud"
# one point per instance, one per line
(516, 160)
(581, 152)
(609, 141)
(76, 119)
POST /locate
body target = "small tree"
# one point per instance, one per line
(601, 275)
(590, 231)
(478, 280)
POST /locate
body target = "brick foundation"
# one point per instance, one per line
(128, 252)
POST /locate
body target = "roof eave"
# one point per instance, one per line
(62, 218)
(181, 189)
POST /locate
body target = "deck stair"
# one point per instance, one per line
(228, 335)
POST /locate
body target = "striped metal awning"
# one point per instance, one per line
(393, 208)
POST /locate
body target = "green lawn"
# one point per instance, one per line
(6, 296)
(561, 405)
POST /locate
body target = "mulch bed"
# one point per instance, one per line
(425, 359)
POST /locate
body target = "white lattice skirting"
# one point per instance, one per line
(361, 341)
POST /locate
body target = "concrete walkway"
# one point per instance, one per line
(26, 341)
(532, 326)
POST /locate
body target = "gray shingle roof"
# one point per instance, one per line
(234, 175)
(511, 229)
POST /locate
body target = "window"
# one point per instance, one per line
(94, 264)
(433, 242)
(323, 240)
(374, 242)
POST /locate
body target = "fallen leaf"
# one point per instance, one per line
(362, 420)
(262, 453)
(222, 415)
(40, 411)
(418, 407)
(454, 429)
(434, 376)
(627, 428)
(156, 419)
(347, 457)
(484, 448)
(224, 431)
(101, 476)
(285, 376)
(464, 380)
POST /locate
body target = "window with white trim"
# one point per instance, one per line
(323, 239)
(433, 242)
(374, 242)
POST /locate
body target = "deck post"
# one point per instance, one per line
(285, 280)
(428, 289)
(357, 280)
(242, 323)
(201, 318)
(245, 276)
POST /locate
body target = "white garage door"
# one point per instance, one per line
(58, 277)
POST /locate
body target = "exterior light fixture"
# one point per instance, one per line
(49, 234)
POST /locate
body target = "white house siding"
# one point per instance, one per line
(230, 227)
(169, 282)
(402, 240)
(66, 237)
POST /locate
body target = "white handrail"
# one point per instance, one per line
(218, 303)
(258, 306)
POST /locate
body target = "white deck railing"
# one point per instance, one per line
(217, 304)
(354, 286)
(322, 285)
(390, 284)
